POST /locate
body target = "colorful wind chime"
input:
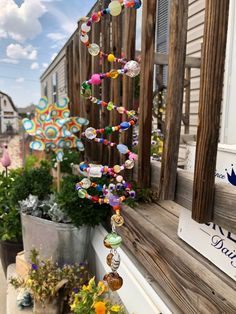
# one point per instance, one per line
(54, 129)
(118, 190)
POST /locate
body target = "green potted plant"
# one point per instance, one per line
(51, 285)
(94, 299)
(10, 224)
(59, 224)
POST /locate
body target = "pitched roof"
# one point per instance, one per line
(10, 100)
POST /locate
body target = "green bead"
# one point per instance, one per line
(82, 193)
(85, 85)
(110, 106)
(108, 130)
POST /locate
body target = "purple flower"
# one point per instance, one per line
(75, 290)
(34, 267)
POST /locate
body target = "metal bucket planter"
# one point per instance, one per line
(53, 307)
(65, 243)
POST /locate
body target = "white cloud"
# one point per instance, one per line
(17, 51)
(21, 22)
(6, 60)
(20, 80)
(45, 65)
(53, 56)
(65, 21)
(34, 66)
(56, 36)
(54, 46)
(3, 34)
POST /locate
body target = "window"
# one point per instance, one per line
(8, 113)
(162, 31)
(5, 102)
(45, 89)
(54, 87)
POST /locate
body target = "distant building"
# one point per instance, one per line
(8, 114)
(26, 111)
(54, 80)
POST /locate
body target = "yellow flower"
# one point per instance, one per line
(29, 282)
(115, 308)
(100, 307)
(102, 288)
(73, 306)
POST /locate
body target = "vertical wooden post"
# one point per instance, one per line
(116, 84)
(175, 88)
(94, 112)
(58, 176)
(105, 33)
(146, 91)
(211, 85)
(187, 100)
(76, 75)
(129, 22)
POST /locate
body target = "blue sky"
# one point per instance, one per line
(31, 33)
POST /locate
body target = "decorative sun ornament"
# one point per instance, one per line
(53, 128)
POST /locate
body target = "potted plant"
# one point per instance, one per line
(94, 299)
(49, 284)
(10, 224)
(58, 225)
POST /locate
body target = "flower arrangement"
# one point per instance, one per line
(45, 279)
(94, 299)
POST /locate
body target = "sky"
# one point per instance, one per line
(32, 32)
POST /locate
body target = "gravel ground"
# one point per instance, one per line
(14, 151)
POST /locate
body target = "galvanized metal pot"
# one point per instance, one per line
(65, 243)
(53, 307)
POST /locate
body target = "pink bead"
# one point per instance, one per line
(95, 79)
(95, 17)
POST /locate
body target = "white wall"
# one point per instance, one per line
(228, 135)
(8, 114)
(136, 293)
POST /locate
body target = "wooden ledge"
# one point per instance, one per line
(225, 196)
(193, 283)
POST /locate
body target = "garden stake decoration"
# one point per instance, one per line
(118, 190)
(5, 160)
(54, 129)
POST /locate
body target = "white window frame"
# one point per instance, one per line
(228, 128)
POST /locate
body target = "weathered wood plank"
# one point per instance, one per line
(106, 95)
(173, 116)
(225, 196)
(115, 118)
(129, 22)
(211, 86)
(146, 93)
(94, 113)
(193, 283)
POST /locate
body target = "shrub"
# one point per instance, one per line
(36, 181)
(81, 211)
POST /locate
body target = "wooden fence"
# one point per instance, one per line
(118, 35)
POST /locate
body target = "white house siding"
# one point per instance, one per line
(196, 14)
(58, 66)
(8, 114)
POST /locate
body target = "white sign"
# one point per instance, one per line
(210, 240)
